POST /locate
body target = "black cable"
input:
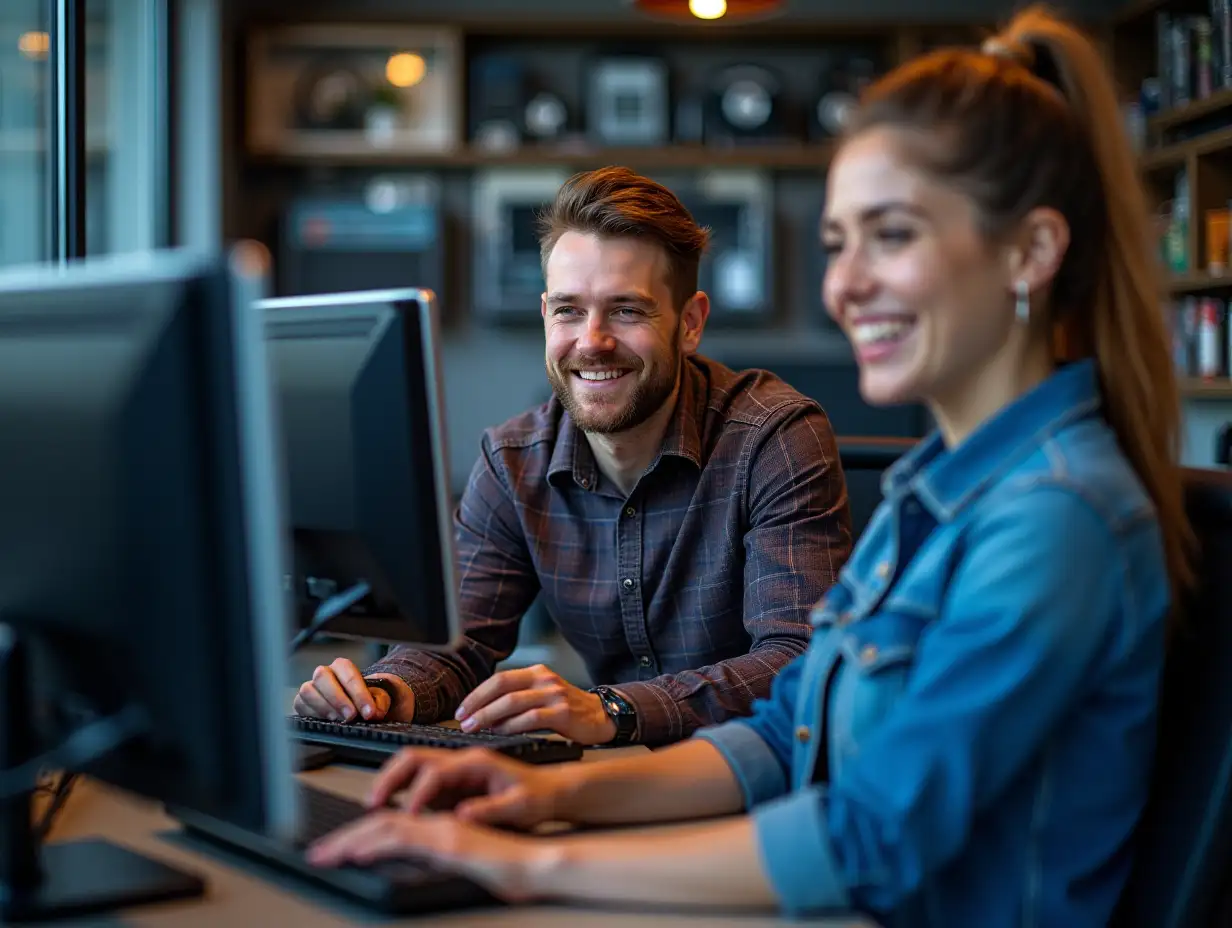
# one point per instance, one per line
(329, 610)
(59, 796)
(84, 746)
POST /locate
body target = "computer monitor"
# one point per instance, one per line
(143, 624)
(357, 378)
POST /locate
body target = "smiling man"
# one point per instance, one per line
(679, 519)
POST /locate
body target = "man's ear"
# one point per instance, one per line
(1038, 249)
(693, 318)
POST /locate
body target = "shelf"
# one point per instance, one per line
(1189, 112)
(797, 156)
(1199, 282)
(1200, 389)
(1137, 9)
(1175, 155)
(1142, 12)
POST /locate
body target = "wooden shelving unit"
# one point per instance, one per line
(1191, 112)
(1138, 9)
(1129, 36)
(1171, 157)
(1199, 282)
(776, 156)
(1193, 139)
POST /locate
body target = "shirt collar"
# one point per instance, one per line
(683, 436)
(572, 454)
(946, 480)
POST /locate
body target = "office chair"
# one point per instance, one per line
(1183, 845)
(863, 460)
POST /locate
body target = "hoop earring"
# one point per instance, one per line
(1022, 301)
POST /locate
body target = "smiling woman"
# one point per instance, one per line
(913, 280)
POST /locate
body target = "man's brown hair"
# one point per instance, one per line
(614, 202)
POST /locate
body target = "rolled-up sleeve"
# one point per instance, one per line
(797, 854)
(756, 748)
(1019, 637)
(757, 768)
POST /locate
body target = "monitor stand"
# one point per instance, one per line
(72, 878)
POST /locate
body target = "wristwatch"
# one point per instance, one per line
(620, 711)
(390, 690)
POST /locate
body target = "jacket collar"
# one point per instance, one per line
(946, 480)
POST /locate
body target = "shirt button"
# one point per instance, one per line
(883, 569)
(627, 583)
(802, 734)
(643, 661)
(869, 653)
(630, 511)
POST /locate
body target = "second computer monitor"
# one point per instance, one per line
(143, 625)
(357, 377)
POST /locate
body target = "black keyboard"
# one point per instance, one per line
(397, 887)
(371, 743)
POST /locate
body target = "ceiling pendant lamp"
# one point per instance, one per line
(722, 11)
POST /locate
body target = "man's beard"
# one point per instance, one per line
(644, 401)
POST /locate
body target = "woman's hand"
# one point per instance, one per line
(506, 865)
(477, 784)
(703, 865)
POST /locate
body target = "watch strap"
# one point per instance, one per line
(620, 711)
(390, 690)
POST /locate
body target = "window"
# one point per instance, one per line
(25, 150)
(126, 125)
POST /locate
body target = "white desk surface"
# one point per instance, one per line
(240, 893)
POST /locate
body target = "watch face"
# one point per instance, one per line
(614, 704)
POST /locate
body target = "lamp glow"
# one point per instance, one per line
(34, 45)
(708, 9)
(405, 69)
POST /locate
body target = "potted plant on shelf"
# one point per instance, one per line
(384, 114)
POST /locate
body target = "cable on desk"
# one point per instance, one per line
(59, 796)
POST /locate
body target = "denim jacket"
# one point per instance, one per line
(968, 739)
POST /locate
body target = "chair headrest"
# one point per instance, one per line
(863, 453)
(1183, 845)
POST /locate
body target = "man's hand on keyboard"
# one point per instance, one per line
(515, 702)
(338, 693)
(477, 784)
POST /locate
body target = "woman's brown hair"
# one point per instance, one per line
(1032, 120)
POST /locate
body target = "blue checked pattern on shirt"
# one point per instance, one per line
(688, 595)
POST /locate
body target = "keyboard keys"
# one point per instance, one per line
(382, 738)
